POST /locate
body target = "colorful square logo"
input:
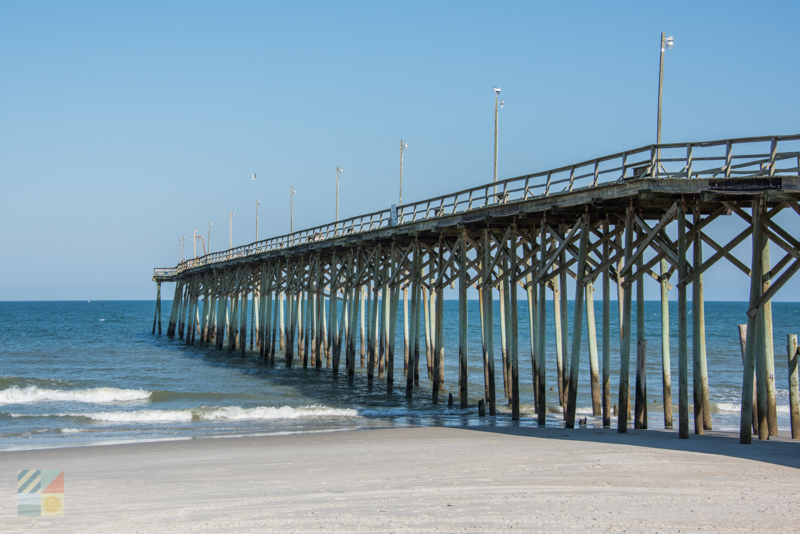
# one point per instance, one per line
(40, 492)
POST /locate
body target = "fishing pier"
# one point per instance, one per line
(618, 222)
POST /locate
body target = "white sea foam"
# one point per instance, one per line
(228, 413)
(17, 395)
(737, 408)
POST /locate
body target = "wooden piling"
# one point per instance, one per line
(666, 373)
(640, 331)
(558, 319)
(625, 348)
(606, 327)
(751, 344)
(640, 416)
(577, 326)
(463, 358)
(541, 406)
(157, 315)
(683, 347)
(513, 331)
(769, 353)
(594, 371)
(698, 338)
(405, 330)
(414, 324)
(794, 391)
(488, 313)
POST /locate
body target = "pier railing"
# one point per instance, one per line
(751, 156)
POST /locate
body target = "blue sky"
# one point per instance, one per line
(127, 125)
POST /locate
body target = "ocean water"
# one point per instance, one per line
(89, 373)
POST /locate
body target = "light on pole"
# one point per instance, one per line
(195, 241)
(258, 202)
(403, 147)
(338, 172)
(231, 230)
(496, 114)
(292, 193)
(666, 44)
(210, 224)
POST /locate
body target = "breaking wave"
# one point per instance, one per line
(17, 395)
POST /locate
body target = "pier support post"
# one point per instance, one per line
(683, 341)
(794, 391)
(577, 326)
(541, 406)
(606, 328)
(625, 349)
(594, 372)
(769, 353)
(463, 355)
(752, 341)
(641, 368)
(488, 313)
(702, 417)
(393, 304)
(157, 316)
(561, 351)
(666, 377)
(173, 313)
(511, 294)
(438, 325)
(414, 325)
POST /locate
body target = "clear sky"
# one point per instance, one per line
(125, 125)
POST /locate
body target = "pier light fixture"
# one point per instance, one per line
(258, 203)
(666, 44)
(210, 224)
(231, 230)
(338, 172)
(403, 148)
(292, 193)
(497, 102)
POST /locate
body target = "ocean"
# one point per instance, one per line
(91, 373)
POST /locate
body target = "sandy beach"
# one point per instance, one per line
(477, 479)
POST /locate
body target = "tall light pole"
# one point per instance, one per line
(231, 231)
(338, 172)
(195, 242)
(210, 224)
(258, 202)
(496, 115)
(666, 44)
(403, 147)
(292, 193)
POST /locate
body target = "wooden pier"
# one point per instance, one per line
(604, 221)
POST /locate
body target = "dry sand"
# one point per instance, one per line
(476, 479)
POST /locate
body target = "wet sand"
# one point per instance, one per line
(476, 479)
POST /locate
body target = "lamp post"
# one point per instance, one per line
(338, 172)
(496, 115)
(292, 193)
(194, 235)
(258, 202)
(210, 224)
(231, 231)
(403, 147)
(666, 44)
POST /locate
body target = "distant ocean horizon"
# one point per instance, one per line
(86, 372)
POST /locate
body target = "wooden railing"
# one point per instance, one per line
(752, 156)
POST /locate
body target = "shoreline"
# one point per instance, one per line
(421, 479)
